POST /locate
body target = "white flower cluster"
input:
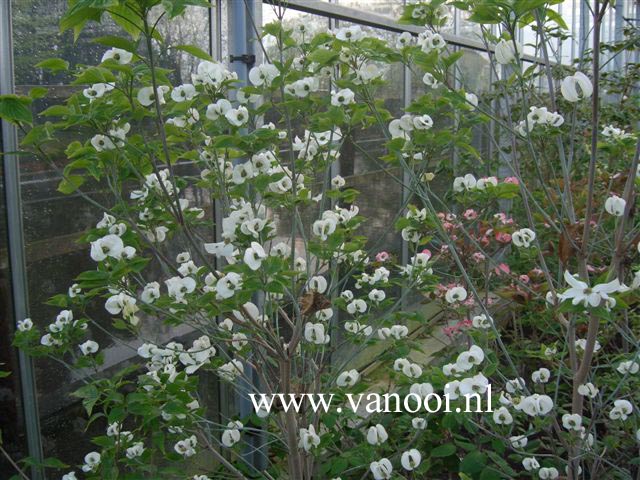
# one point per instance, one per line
(403, 126)
(166, 360)
(539, 116)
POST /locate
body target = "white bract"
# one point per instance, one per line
(615, 205)
(231, 435)
(576, 87)
(581, 293)
(382, 469)
(377, 435)
(410, 460)
(348, 378)
(523, 238)
(506, 52)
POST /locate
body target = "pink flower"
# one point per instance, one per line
(470, 214)
(427, 252)
(503, 237)
(513, 180)
(382, 257)
(444, 249)
(478, 257)
(524, 278)
(503, 268)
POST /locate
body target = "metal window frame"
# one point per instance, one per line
(369, 19)
(16, 245)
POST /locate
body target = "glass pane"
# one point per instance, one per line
(52, 221)
(387, 8)
(11, 413)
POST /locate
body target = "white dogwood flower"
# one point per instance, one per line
(315, 333)
(150, 293)
(615, 205)
(377, 435)
(456, 294)
(147, 96)
(237, 116)
(621, 410)
(182, 93)
(382, 469)
(107, 246)
(576, 87)
(588, 390)
(179, 287)
(541, 375)
(89, 347)
(318, 284)
(227, 286)
(581, 293)
(530, 464)
(342, 97)
(254, 256)
(518, 441)
(135, 450)
(548, 473)
(348, 378)
(523, 237)
(218, 109)
(309, 439)
(505, 51)
(502, 416)
(102, 143)
(572, 421)
(263, 74)
(466, 183)
(357, 306)
(186, 447)
(119, 55)
(536, 405)
(410, 460)
(628, 367)
(25, 325)
(231, 370)
(231, 434)
(91, 462)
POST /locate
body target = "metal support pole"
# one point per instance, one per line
(242, 14)
(19, 286)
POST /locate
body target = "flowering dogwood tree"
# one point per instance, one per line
(530, 255)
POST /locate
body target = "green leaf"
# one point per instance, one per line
(94, 75)
(56, 111)
(473, 462)
(79, 13)
(37, 135)
(129, 20)
(116, 42)
(16, 109)
(38, 92)
(323, 56)
(53, 64)
(521, 7)
(557, 18)
(70, 184)
(445, 450)
(177, 7)
(89, 395)
(486, 14)
(193, 50)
